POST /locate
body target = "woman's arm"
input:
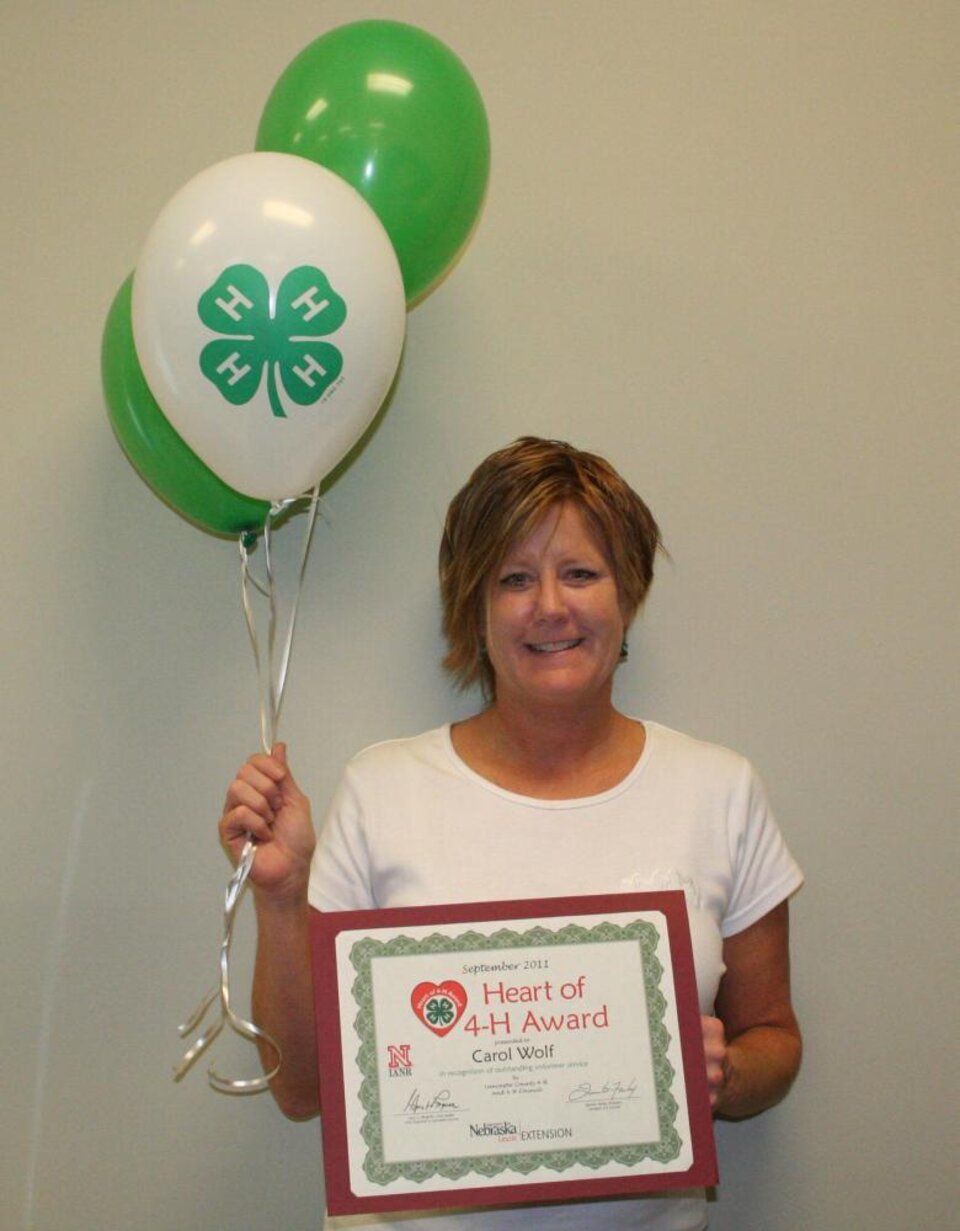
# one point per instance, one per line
(283, 1004)
(753, 1051)
(264, 802)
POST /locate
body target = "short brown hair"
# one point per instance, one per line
(503, 501)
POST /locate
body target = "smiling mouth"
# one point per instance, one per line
(554, 647)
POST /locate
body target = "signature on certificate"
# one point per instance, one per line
(614, 1091)
(441, 1101)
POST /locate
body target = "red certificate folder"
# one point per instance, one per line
(496, 1053)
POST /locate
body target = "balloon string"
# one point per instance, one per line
(272, 670)
(221, 993)
(272, 673)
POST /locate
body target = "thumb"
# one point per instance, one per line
(287, 784)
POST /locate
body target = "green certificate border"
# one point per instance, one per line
(375, 1166)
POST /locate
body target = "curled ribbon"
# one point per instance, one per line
(272, 680)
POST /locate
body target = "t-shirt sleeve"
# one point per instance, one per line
(340, 871)
(764, 871)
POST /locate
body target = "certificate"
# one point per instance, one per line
(503, 1052)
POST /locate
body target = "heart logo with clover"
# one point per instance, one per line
(439, 1005)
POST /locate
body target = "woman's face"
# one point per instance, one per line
(553, 624)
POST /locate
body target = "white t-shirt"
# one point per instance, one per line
(412, 825)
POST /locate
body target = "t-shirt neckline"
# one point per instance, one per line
(533, 801)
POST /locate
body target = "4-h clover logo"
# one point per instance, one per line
(439, 1012)
(288, 344)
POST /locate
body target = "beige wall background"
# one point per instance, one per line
(720, 246)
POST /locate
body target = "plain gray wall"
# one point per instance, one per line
(720, 246)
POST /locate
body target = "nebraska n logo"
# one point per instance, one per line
(398, 1057)
(289, 343)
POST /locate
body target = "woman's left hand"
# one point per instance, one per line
(715, 1056)
(753, 1045)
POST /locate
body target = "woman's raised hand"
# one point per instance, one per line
(264, 803)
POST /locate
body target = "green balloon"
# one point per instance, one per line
(156, 451)
(390, 109)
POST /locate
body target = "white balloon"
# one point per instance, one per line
(268, 317)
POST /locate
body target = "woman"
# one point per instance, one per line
(546, 557)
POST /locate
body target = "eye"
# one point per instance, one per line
(514, 580)
(582, 574)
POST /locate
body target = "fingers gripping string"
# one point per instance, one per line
(272, 668)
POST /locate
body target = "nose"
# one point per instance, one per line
(551, 603)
